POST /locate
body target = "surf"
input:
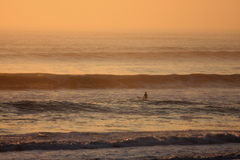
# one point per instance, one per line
(85, 140)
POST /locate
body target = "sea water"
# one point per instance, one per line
(79, 96)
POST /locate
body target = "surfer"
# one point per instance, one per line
(145, 96)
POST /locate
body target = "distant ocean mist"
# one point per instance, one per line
(119, 54)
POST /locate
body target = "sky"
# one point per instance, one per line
(121, 15)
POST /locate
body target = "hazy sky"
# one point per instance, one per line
(121, 15)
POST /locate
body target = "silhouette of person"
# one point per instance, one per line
(145, 96)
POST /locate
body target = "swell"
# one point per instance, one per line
(53, 81)
(155, 108)
(31, 107)
(149, 54)
(90, 140)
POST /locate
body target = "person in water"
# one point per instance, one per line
(145, 96)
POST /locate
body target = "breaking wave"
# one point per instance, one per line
(91, 140)
(53, 81)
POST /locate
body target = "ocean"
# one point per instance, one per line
(67, 95)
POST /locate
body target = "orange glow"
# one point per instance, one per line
(120, 15)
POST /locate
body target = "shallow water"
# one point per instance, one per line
(225, 151)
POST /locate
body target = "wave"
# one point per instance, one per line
(35, 107)
(53, 81)
(155, 108)
(150, 54)
(30, 107)
(91, 140)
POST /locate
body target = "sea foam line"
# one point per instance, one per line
(88, 140)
